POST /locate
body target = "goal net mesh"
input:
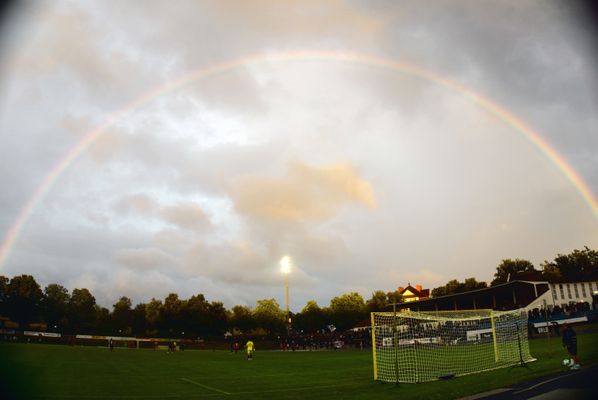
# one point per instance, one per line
(425, 346)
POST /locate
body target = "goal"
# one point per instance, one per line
(424, 346)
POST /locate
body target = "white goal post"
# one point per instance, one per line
(424, 346)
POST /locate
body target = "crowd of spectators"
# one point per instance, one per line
(326, 340)
(555, 313)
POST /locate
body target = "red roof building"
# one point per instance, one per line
(416, 293)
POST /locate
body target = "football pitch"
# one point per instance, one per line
(62, 372)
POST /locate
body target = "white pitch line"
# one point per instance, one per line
(543, 382)
(299, 388)
(131, 396)
(204, 386)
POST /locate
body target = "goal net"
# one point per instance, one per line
(424, 346)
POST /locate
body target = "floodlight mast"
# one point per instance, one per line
(285, 267)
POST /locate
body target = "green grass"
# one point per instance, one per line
(63, 372)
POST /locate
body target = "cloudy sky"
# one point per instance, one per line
(151, 147)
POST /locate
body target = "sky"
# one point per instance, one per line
(151, 147)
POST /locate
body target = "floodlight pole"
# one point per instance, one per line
(288, 314)
(285, 263)
(395, 339)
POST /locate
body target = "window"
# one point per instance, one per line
(569, 290)
(554, 296)
(583, 290)
(561, 290)
(576, 290)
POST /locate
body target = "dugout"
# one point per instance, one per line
(506, 296)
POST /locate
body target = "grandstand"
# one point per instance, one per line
(506, 296)
(548, 304)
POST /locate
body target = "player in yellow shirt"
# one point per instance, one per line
(250, 348)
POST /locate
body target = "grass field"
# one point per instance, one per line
(62, 372)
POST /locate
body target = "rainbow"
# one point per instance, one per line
(277, 57)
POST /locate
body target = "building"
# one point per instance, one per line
(507, 296)
(416, 293)
(547, 304)
(563, 294)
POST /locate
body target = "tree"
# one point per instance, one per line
(122, 316)
(551, 272)
(454, 286)
(55, 304)
(311, 318)
(81, 311)
(515, 269)
(269, 316)
(472, 284)
(153, 315)
(23, 299)
(3, 294)
(202, 318)
(378, 302)
(347, 310)
(217, 316)
(348, 302)
(579, 265)
(172, 314)
(103, 323)
(139, 323)
(242, 319)
(196, 316)
(451, 287)
(394, 297)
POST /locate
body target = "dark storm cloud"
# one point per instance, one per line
(367, 177)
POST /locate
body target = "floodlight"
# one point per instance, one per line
(285, 264)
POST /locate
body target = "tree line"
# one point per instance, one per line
(23, 301)
(54, 308)
(577, 266)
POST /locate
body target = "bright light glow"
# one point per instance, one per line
(285, 264)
